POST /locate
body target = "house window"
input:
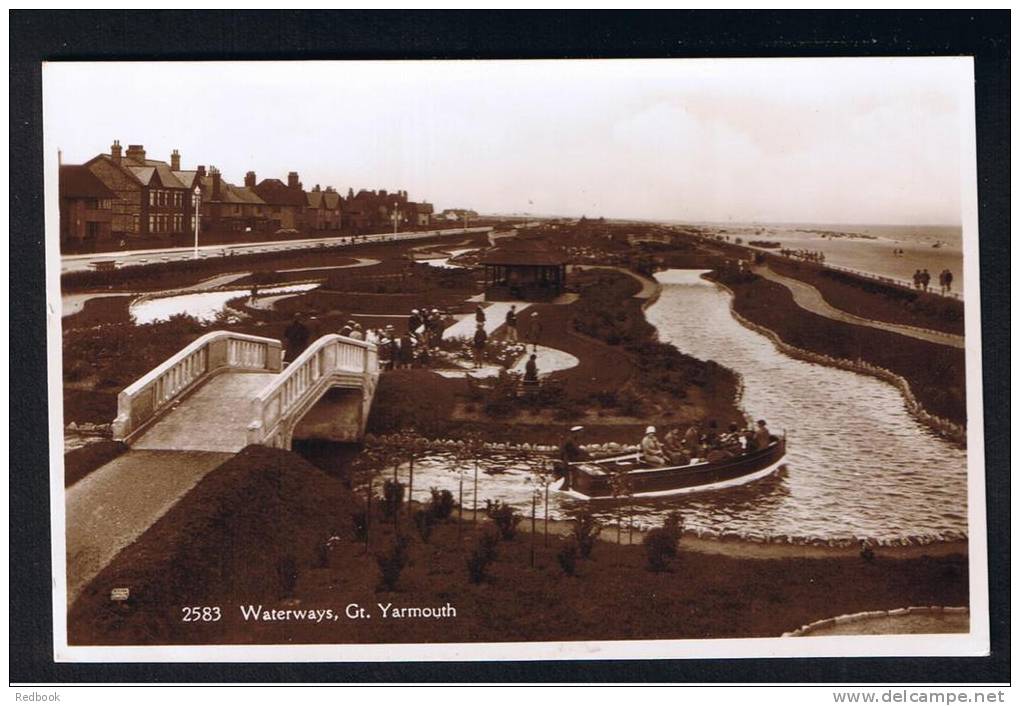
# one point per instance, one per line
(152, 224)
(152, 198)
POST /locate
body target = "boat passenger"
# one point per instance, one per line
(732, 441)
(652, 452)
(762, 437)
(673, 445)
(570, 449)
(692, 441)
(750, 444)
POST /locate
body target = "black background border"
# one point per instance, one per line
(37, 36)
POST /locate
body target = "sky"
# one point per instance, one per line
(865, 141)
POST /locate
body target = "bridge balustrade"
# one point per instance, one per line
(328, 361)
(218, 351)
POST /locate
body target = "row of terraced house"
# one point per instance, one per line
(123, 194)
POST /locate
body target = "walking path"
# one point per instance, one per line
(112, 506)
(73, 303)
(548, 360)
(495, 316)
(810, 299)
(649, 287)
(361, 262)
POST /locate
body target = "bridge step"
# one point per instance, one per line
(214, 418)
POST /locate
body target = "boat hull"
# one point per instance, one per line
(589, 481)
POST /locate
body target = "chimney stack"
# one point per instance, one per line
(292, 180)
(249, 179)
(115, 151)
(200, 172)
(175, 161)
(136, 153)
(215, 173)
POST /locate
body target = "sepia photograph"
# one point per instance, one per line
(514, 359)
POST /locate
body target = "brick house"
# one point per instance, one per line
(418, 214)
(150, 199)
(372, 211)
(324, 209)
(286, 202)
(226, 207)
(86, 206)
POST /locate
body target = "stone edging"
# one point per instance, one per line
(956, 433)
(805, 630)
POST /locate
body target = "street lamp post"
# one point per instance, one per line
(198, 199)
(396, 215)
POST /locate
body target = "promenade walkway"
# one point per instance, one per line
(810, 299)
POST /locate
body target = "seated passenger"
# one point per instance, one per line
(732, 442)
(674, 448)
(652, 452)
(692, 441)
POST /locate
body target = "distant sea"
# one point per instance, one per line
(872, 253)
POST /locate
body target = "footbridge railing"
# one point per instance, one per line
(156, 391)
(330, 361)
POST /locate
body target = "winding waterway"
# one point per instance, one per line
(858, 465)
(204, 306)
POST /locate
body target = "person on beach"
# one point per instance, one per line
(478, 342)
(949, 281)
(652, 452)
(296, 335)
(570, 449)
(762, 437)
(511, 324)
(531, 369)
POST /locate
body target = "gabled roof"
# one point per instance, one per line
(314, 199)
(166, 175)
(331, 199)
(228, 192)
(276, 193)
(107, 158)
(187, 178)
(142, 174)
(77, 182)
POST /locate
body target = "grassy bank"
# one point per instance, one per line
(215, 548)
(936, 374)
(79, 462)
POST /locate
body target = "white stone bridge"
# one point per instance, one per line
(227, 390)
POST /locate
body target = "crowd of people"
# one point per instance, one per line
(805, 255)
(681, 447)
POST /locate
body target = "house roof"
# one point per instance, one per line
(77, 182)
(314, 199)
(166, 175)
(276, 193)
(187, 178)
(228, 192)
(522, 257)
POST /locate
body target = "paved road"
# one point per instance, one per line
(112, 506)
(73, 263)
(810, 299)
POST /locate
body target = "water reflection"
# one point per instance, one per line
(204, 306)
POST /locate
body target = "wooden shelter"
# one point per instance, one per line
(526, 275)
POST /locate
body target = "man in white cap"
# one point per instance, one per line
(570, 450)
(651, 450)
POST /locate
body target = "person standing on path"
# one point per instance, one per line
(949, 280)
(511, 324)
(480, 315)
(479, 345)
(296, 335)
(531, 369)
(925, 279)
(535, 331)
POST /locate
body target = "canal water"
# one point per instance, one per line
(858, 465)
(204, 306)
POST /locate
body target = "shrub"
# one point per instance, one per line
(505, 517)
(391, 563)
(441, 504)
(567, 557)
(660, 549)
(424, 521)
(393, 496)
(481, 556)
(586, 531)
